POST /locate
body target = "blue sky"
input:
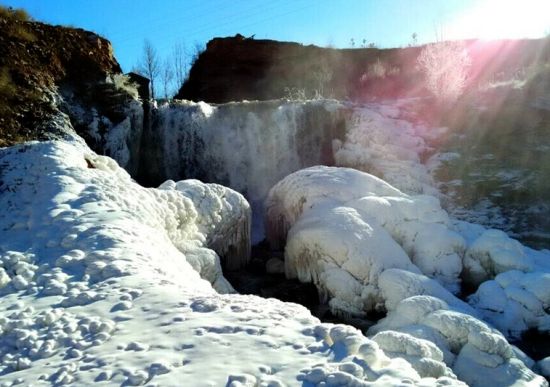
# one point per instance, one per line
(387, 23)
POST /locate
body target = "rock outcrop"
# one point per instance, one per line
(37, 58)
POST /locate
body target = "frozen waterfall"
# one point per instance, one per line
(247, 146)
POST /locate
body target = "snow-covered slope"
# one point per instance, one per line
(100, 283)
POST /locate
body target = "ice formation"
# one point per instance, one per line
(367, 246)
(380, 143)
(102, 280)
(515, 301)
(99, 282)
(294, 194)
(349, 220)
(224, 218)
(478, 354)
(247, 146)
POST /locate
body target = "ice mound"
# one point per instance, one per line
(337, 250)
(493, 253)
(397, 284)
(100, 283)
(424, 231)
(224, 217)
(301, 190)
(478, 354)
(345, 227)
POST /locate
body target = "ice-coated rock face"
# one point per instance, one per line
(383, 145)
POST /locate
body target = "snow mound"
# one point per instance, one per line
(100, 283)
(478, 354)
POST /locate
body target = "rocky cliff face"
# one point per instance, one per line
(237, 68)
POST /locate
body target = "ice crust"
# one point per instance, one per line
(101, 282)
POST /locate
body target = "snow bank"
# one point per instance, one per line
(99, 282)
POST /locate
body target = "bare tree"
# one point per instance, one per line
(149, 65)
(179, 60)
(198, 48)
(167, 76)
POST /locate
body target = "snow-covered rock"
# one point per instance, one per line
(493, 253)
(301, 190)
(343, 228)
(343, 255)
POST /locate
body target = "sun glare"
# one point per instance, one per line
(503, 19)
